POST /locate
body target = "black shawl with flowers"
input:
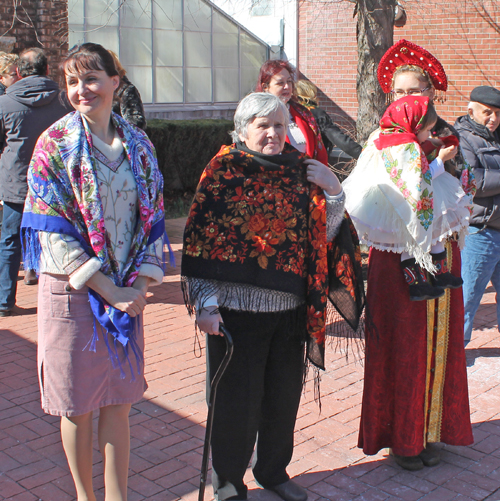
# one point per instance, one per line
(257, 221)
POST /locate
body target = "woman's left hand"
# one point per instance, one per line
(321, 175)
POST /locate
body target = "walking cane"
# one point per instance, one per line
(211, 402)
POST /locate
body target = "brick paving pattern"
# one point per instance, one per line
(168, 425)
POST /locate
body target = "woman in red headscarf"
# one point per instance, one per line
(278, 78)
(415, 387)
(400, 202)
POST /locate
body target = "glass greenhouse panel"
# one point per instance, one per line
(76, 11)
(198, 51)
(76, 35)
(223, 24)
(102, 12)
(136, 14)
(135, 47)
(226, 85)
(167, 14)
(198, 85)
(107, 37)
(225, 50)
(168, 48)
(169, 85)
(141, 77)
(197, 15)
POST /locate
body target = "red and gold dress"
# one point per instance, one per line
(415, 387)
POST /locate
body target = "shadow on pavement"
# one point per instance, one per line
(472, 354)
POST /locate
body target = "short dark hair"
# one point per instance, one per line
(32, 61)
(89, 56)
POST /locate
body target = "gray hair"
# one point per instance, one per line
(256, 105)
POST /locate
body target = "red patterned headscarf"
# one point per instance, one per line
(402, 121)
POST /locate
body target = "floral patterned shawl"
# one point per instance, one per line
(407, 166)
(64, 198)
(256, 221)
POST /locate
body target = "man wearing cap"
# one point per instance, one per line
(480, 143)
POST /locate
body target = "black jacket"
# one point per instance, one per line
(129, 104)
(482, 150)
(443, 129)
(332, 135)
(27, 108)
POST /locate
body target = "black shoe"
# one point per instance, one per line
(443, 277)
(289, 491)
(410, 463)
(5, 313)
(447, 281)
(420, 289)
(30, 277)
(425, 292)
(430, 456)
(232, 498)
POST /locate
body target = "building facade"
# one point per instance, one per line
(464, 35)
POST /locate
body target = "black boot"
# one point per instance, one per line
(420, 288)
(443, 277)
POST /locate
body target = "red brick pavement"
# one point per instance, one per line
(167, 426)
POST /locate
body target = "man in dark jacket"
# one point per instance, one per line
(480, 143)
(27, 108)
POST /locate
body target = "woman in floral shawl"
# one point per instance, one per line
(269, 251)
(93, 228)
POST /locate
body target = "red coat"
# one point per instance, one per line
(307, 124)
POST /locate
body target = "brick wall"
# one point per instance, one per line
(37, 23)
(467, 46)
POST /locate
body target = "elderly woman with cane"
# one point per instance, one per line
(93, 226)
(268, 251)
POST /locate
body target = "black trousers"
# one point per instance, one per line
(257, 399)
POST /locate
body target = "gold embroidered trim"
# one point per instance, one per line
(438, 338)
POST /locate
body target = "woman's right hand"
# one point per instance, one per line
(127, 299)
(208, 321)
(448, 153)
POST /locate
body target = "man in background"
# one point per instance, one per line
(27, 108)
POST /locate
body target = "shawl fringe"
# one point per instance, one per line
(32, 250)
(236, 296)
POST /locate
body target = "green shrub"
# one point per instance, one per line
(184, 148)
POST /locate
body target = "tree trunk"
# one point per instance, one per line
(375, 29)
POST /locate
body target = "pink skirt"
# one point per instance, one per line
(73, 379)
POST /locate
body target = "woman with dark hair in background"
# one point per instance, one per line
(93, 226)
(278, 77)
(128, 102)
